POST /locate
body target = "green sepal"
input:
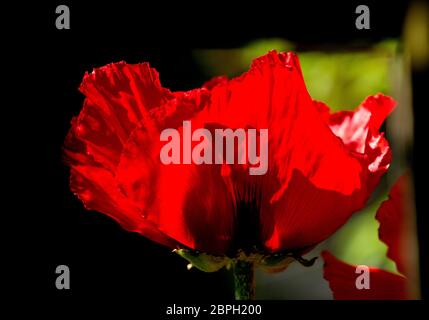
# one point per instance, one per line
(202, 261)
(275, 262)
(278, 262)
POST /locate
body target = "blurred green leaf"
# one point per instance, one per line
(344, 80)
(357, 241)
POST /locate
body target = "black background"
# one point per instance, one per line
(106, 262)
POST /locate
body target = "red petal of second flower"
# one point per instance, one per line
(342, 281)
(393, 216)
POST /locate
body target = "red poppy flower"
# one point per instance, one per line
(322, 167)
(393, 216)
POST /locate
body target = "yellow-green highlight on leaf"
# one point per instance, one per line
(344, 80)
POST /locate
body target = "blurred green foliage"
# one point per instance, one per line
(343, 80)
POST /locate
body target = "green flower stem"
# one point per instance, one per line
(244, 280)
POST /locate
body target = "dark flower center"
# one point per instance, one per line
(247, 225)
